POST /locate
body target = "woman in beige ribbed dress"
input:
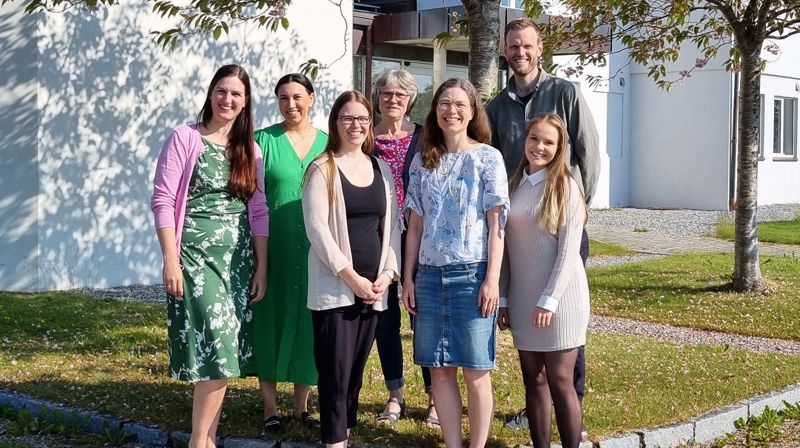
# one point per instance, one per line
(544, 280)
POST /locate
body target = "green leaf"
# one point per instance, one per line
(217, 32)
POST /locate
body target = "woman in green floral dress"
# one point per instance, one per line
(211, 219)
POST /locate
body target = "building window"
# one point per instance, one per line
(784, 126)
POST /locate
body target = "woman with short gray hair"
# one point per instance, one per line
(396, 138)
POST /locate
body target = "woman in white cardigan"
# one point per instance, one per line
(350, 213)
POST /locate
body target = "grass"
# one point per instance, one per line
(111, 356)
(780, 232)
(694, 291)
(601, 249)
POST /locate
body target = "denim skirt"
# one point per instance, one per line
(449, 330)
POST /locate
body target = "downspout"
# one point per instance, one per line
(368, 64)
(733, 143)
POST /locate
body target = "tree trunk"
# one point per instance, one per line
(483, 17)
(746, 270)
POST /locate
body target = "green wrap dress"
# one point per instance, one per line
(283, 338)
(208, 328)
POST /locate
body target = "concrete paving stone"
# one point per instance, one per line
(34, 405)
(622, 441)
(718, 423)
(151, 435)
(98, 422)
(668, 436)
(583, 444)
(11, 399)
(180, 436)
(293, 444)
(773, 399)
(239, 442)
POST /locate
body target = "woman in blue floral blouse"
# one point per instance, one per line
(457, 203)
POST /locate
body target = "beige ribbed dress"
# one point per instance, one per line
(541, 264)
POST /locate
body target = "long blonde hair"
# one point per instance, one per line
(553, 202)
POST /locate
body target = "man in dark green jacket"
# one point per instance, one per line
(530, 92)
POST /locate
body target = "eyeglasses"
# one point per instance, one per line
(446, 105)
(348, 120)
(387, 96)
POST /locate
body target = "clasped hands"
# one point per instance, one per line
(370, 292)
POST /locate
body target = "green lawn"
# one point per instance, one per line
(601, 249)
(111, 356)
(694, 291)
(780, 232)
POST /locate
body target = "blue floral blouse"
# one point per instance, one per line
(453, 200)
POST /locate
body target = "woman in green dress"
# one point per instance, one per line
(211, 221)
(282, 332)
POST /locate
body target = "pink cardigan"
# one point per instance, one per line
(171, 183)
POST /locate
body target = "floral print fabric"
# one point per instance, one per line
(453, 200)
(394, 152)
(208, 329)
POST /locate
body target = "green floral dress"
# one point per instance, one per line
(209, 327)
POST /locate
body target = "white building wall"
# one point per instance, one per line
(778, 175)
(609, 104)
(18, 134)
(108, 97)
(680, 141)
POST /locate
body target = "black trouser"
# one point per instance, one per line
(580, 362)
(387, 338)
(342, 341)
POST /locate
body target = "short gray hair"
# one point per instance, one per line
(401, 78)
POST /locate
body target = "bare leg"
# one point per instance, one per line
(537, 397)
(269, 392)
(301, 393)
(480, 406)
(211, 440)
(559, 367)
(448, 403)
(206, 406)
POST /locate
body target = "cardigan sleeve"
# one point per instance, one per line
(316, 211)
(569, 243)
(257, 210)
(169, 171)
(394, 221)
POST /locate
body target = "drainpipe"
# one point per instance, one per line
(368, 64)
(734, 143)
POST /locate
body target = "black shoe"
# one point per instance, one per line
(308, 421)
(272, 424)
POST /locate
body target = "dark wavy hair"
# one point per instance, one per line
(298, 78)
(478, 128)
(239, 151)
(335, 140)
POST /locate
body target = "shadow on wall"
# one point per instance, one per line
(109, 97)
(18, 133)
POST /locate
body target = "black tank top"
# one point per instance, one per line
(365, 207)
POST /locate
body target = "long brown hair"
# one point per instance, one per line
(478, 128)
(239, 150)
(553, 202)
(335, 140)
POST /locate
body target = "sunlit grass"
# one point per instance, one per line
(780, 232)
(601, 249)
(694, 290)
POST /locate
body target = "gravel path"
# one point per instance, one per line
(690, 336)
(682, 222)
